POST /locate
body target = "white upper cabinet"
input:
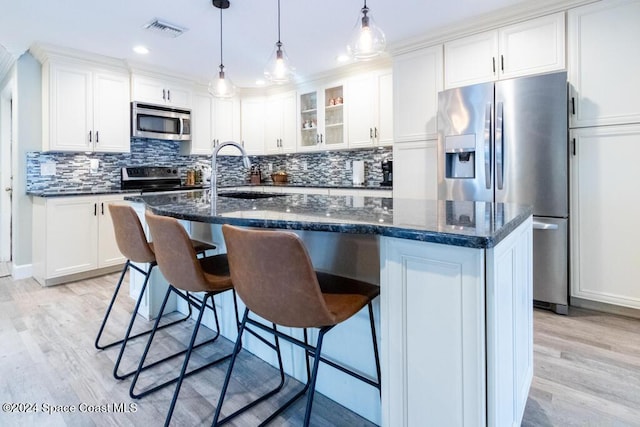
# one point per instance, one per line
(529, 47)
(322, 118)
(225, 123)
(370, 109)
(604, 63)
(201, 118)
(253, 126)
(161, 91)
(85, 108)
(281, 132)
(417, 79)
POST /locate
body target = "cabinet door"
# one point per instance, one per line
(149, 90)
(108, 252)
(111, 118)
(362, 106)
(273, 124)
(471, 60)
(417, 79)
(289, 135)
(201, 139)
(226, 123)
(383, 129)
(71, 236)
(253, 126)
(309, 121)
(334, 135)
(415, 170)
(178, 96)
(604, 248)
(532, 47)
(70, 109)
(604, 63)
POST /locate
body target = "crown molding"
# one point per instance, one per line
(44, 53)
(7, 59)
(486, 22)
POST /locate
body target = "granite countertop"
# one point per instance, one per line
(457, 223)
(64, 192)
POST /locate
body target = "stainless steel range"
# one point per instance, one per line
(153, 178)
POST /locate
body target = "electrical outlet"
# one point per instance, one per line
(94, 164)
(347, 165)
(270, 167)
(47, 168)
(304, 165)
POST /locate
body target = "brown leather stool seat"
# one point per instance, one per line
(133, 244)
(186, 273)
(273, 275)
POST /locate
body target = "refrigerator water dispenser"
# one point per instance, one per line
(460, 160)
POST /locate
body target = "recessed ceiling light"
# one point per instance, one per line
(342, 58)
(141, 50)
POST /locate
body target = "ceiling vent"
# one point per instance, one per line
(164, 28)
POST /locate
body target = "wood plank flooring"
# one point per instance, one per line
(587, 367)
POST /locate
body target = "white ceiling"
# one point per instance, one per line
(314, 32)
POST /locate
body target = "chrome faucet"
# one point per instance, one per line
(214, 162)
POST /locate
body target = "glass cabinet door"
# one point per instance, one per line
(309, 136)
(333, 116)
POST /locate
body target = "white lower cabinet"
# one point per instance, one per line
(73, 235)
(457, 332)
(605, 256)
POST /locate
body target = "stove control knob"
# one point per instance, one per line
(175, 171)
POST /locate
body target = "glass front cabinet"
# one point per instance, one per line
(322, 117)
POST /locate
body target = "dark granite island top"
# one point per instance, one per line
(456, 223)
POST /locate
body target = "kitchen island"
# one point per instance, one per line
(455, 310)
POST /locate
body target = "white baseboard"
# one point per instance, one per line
(21, 271)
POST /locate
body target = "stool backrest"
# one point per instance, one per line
(130, 236)
(175, 255)
(272, 273)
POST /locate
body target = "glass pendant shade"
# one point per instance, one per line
(222, 86)
(367, 40)
(278, 69)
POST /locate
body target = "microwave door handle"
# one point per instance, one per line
(487, 146)
(181, 126)
(499, 146)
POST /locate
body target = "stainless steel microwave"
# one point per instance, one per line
(160, 122)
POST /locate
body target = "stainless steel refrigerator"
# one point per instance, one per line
(508, 142)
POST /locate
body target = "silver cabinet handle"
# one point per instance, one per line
(164, 95)
(499, 146)
(168, 95)
(537, 225)
(370, 133)
(90, 136)
(487, 146)
(375, 132)
(97, 137)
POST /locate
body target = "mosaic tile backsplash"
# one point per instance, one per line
(72, 170)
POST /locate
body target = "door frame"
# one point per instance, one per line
(6, 170)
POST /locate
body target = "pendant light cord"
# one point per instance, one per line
(221, 65)
(278, 21)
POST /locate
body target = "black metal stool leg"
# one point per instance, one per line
(187, 356)
(314, 376)
(376, 354)
(108, 312)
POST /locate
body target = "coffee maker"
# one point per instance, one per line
(387, 173)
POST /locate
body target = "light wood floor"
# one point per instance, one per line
(4, 269)
(587, 367)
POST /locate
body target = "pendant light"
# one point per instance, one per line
(221, 86)
(278, 69)
(367, 40)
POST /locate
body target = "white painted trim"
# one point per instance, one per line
(490, 21)
(21, 271)
(6, 168)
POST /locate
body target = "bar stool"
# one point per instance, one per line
(186, 273)
(133, 244)
(273, 275)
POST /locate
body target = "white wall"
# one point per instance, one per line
(27, 134)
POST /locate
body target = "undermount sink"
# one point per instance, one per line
(250, 195)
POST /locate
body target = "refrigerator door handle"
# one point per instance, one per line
(499, 147)
(537, 225)
(487, 146)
